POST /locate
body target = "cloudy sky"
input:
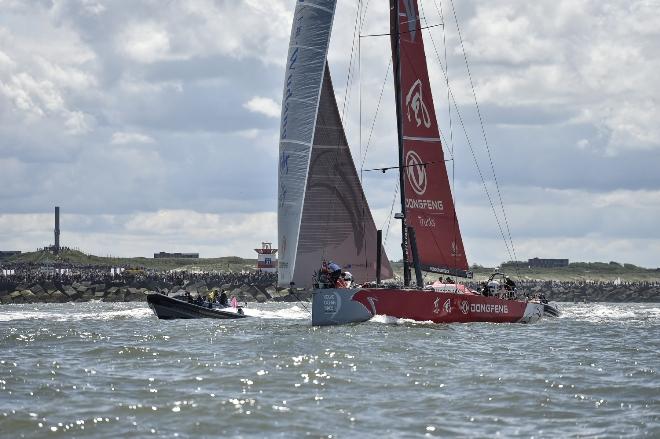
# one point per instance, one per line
(154, 124)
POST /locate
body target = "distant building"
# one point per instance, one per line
(515, 264)
(165, 255)
(266, 260)
(547, 263)
(8, 253)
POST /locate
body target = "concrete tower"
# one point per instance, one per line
(56, 249)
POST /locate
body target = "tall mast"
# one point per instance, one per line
(396, 59)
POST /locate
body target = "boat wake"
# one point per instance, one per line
(388, 320)
(72, 315)
(607, 312)
(293, 313)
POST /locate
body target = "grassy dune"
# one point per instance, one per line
(44, 257)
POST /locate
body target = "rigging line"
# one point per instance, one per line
(364, 223)
(302, 303)
(469, 142)
(360, 17)
(444, 43)
(407, 166)
(455, 228)
(359, 80)
(389, 217)
(373, 121)
(451, 127)
(444, 142)
(350, 62)
(483, 130)
(401, 32)
(364, 201)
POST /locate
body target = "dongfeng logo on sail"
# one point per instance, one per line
(416, 172)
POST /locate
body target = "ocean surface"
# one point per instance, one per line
(114, 370)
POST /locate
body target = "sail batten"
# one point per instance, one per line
(429, 206)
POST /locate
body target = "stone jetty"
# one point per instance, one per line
(596, 291)
(84, 291)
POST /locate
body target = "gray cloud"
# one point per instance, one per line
(131, 113)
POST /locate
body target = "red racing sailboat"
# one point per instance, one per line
(319, 203)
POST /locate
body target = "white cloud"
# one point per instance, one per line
(598, 60)
(93, 7)
(40, 76)
(203, 28)
(36, 99)
(77, 122)
(251, 28)
(145, 42)
(121, 138)
(264, 106)
(6, 63)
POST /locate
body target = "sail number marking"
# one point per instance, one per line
(329, 303)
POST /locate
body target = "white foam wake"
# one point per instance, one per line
(601, 312)
(71, 315)
(388, 320)
(293, 313)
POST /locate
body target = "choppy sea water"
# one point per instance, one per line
(114, 370)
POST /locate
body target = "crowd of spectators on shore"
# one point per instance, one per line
(16, 273)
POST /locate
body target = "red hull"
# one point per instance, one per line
(441, 307)
(340, 306)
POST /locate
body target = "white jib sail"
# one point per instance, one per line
(306, 60)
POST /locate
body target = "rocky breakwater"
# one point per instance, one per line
(85, 291)
(597, 291)
(48, 291)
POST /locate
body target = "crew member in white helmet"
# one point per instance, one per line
(348, 278)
